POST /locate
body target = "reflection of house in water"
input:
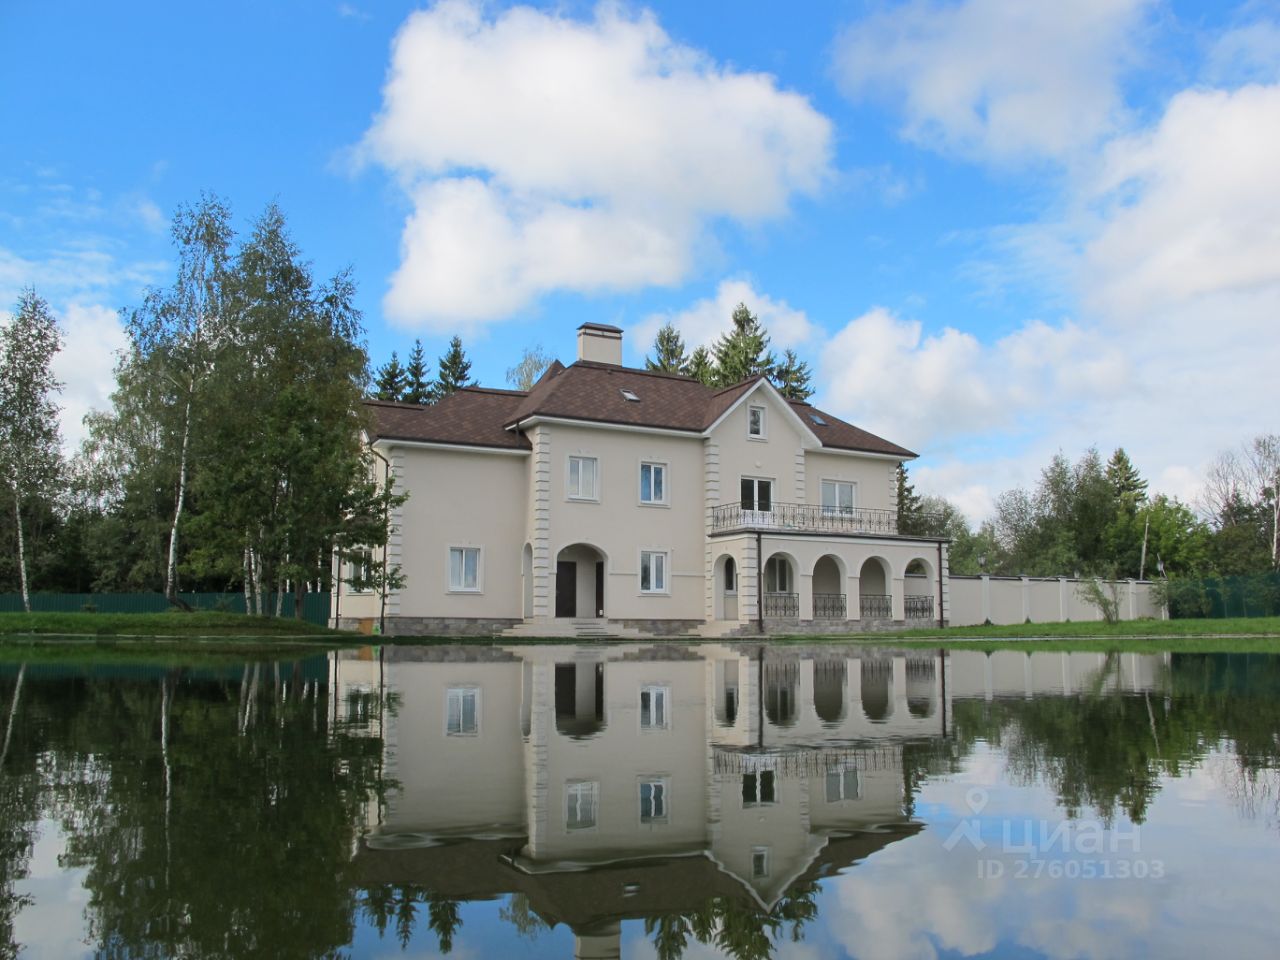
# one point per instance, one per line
(615, 782)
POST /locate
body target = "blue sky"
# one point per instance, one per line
(995, 229)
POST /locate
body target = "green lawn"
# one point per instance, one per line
(200, 624)
(1237, 635)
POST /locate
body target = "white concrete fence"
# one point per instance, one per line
(977, 600)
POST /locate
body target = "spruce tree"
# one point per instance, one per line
(910, 520)
(701, 367)
(417, 387)
(668, 351)
(1130, 489)
(455, 370)
(792, 377)
(391, 381)
(744, 351)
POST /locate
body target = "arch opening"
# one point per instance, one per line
(781, 598)
(580, 581)
(726, 588)
(829, 600)
(877, 677)
(828, 689)
(875, 601)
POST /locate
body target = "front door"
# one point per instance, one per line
(566, 588)
(599, 588)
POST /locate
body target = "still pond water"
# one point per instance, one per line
(644, 801)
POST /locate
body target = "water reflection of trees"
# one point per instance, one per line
(1107, 749)
(212, 816)
(738, 928)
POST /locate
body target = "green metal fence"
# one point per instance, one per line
(1256, 595)
(315, 606)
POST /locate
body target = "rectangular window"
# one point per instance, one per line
(838, 496)
(653, 483)
(360, 571)
(462, 712)
(759, 862)
(653, 801)
(653, 572)
(758, 788)
(655, 711)
(581, 797)
(464, 569)
(756, 422)
(843, 785)
(583, 472)
(757, 494)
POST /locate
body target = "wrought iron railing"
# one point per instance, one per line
(782, 604)
(808, 518)
(918, 608)
(876, 606)
(829, 606)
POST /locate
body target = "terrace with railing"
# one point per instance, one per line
(815, 518)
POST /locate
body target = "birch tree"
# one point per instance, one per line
(179, 331)
(30, 457)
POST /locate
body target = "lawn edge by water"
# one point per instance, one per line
(200, 624)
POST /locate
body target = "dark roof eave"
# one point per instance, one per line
(515, 424)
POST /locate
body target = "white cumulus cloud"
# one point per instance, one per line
(999, 80)
(93, 337)
(547, 153)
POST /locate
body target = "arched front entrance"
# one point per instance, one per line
(780, 596)
(726, 587)
(873, 590)
(580, 578)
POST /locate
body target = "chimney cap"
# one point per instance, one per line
(600, 327)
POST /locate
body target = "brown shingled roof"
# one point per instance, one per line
(472, 416)
(594, 392)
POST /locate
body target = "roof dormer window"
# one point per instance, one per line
(629, 395)
(817, 419)
(756, 422)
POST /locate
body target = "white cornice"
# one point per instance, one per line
(390, 442)
(599, 425)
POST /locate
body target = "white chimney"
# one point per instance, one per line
(600, 343)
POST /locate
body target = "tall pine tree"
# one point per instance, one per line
(1130, 489)
(391, 381)
(668, 351)
(417, 387)
(455, 370)
(792, 377)
(910, 518)
(744, 351)
(701, 367)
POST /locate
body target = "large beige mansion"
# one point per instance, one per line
(611, 500)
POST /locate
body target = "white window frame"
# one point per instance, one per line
(461, 693)
(575, 792)
(654, 818)
(579, 496)
(759, 773)
(837, 509)
(654, 590)
(842, 792)
(764, 421)
(654, 465)
(753, 510)
(461, 587)
(353, 563)
(656, 692)
(762, 853)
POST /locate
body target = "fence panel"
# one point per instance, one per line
(1255, 595)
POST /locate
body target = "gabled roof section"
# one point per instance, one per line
(472, 416)
(839, 435)
(593, 392)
